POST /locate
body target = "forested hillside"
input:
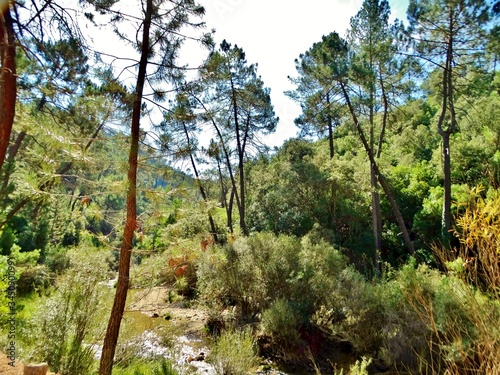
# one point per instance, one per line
(369, 243)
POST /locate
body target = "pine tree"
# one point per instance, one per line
(448, 35)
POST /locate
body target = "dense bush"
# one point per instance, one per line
(256, 271)
(66, 325)
(413, 318)
(233, 353)
(281, 323)
(478, 230)
(462, 326)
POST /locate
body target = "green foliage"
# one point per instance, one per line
(57, 259)
(68, 175)
(8, 279)
(233, 353)
(360, 367)
(254, 272)
(281, 322)
(165, 367)
(452, 313)
(478, 230)
(351, 311)
(66, 325)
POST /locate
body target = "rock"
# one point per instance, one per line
(199, 358)
(155, 315)
(36, 369)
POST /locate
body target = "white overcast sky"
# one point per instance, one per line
(273, 33)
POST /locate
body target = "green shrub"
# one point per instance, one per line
(478, 230)
(255, 271)
(152, 271)
(360, 367)
(233, 353)
(67, 324)
(33, 279)
(281, 322)
(443, 325)
(351, 311)
(57, 259)
(148, 368)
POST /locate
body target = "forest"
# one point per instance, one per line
(141, 213)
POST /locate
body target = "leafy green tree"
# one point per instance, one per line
(34, 20)
(288, 192)
(314, 92)
(179, 136)
(244, 109)
(339, 61)
(449, 35)
(334, 52)
(371, 41)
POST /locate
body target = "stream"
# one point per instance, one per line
(154, 328)
(185, 351)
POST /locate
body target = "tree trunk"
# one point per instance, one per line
(227, 206)
(376, 218)
(241, 152)
(200, 185)
(229, 168)
(8, 91)
(375, 198)
(446, 219)
(113, 329)
(13, 150)
(380, 177)
(447, 103)
(230, 209)
(333, 188)
(330, 127)
(243, 224)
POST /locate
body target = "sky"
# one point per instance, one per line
(273, 33)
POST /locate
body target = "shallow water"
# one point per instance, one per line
(139, 330)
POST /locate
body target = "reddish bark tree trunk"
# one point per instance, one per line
(113, 330)
(7, 80)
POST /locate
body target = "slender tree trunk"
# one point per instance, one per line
(13, 150)
(223, 189)
(375, 197)
(200, 185)
(380, 177)
(243, 224)
(446, 219)
(447, 104)
(376, 217)
(230, 209)
(330, 127)
(113, 329)
(228, 164)
(241, 153)
(8, 90)
(333, 188)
